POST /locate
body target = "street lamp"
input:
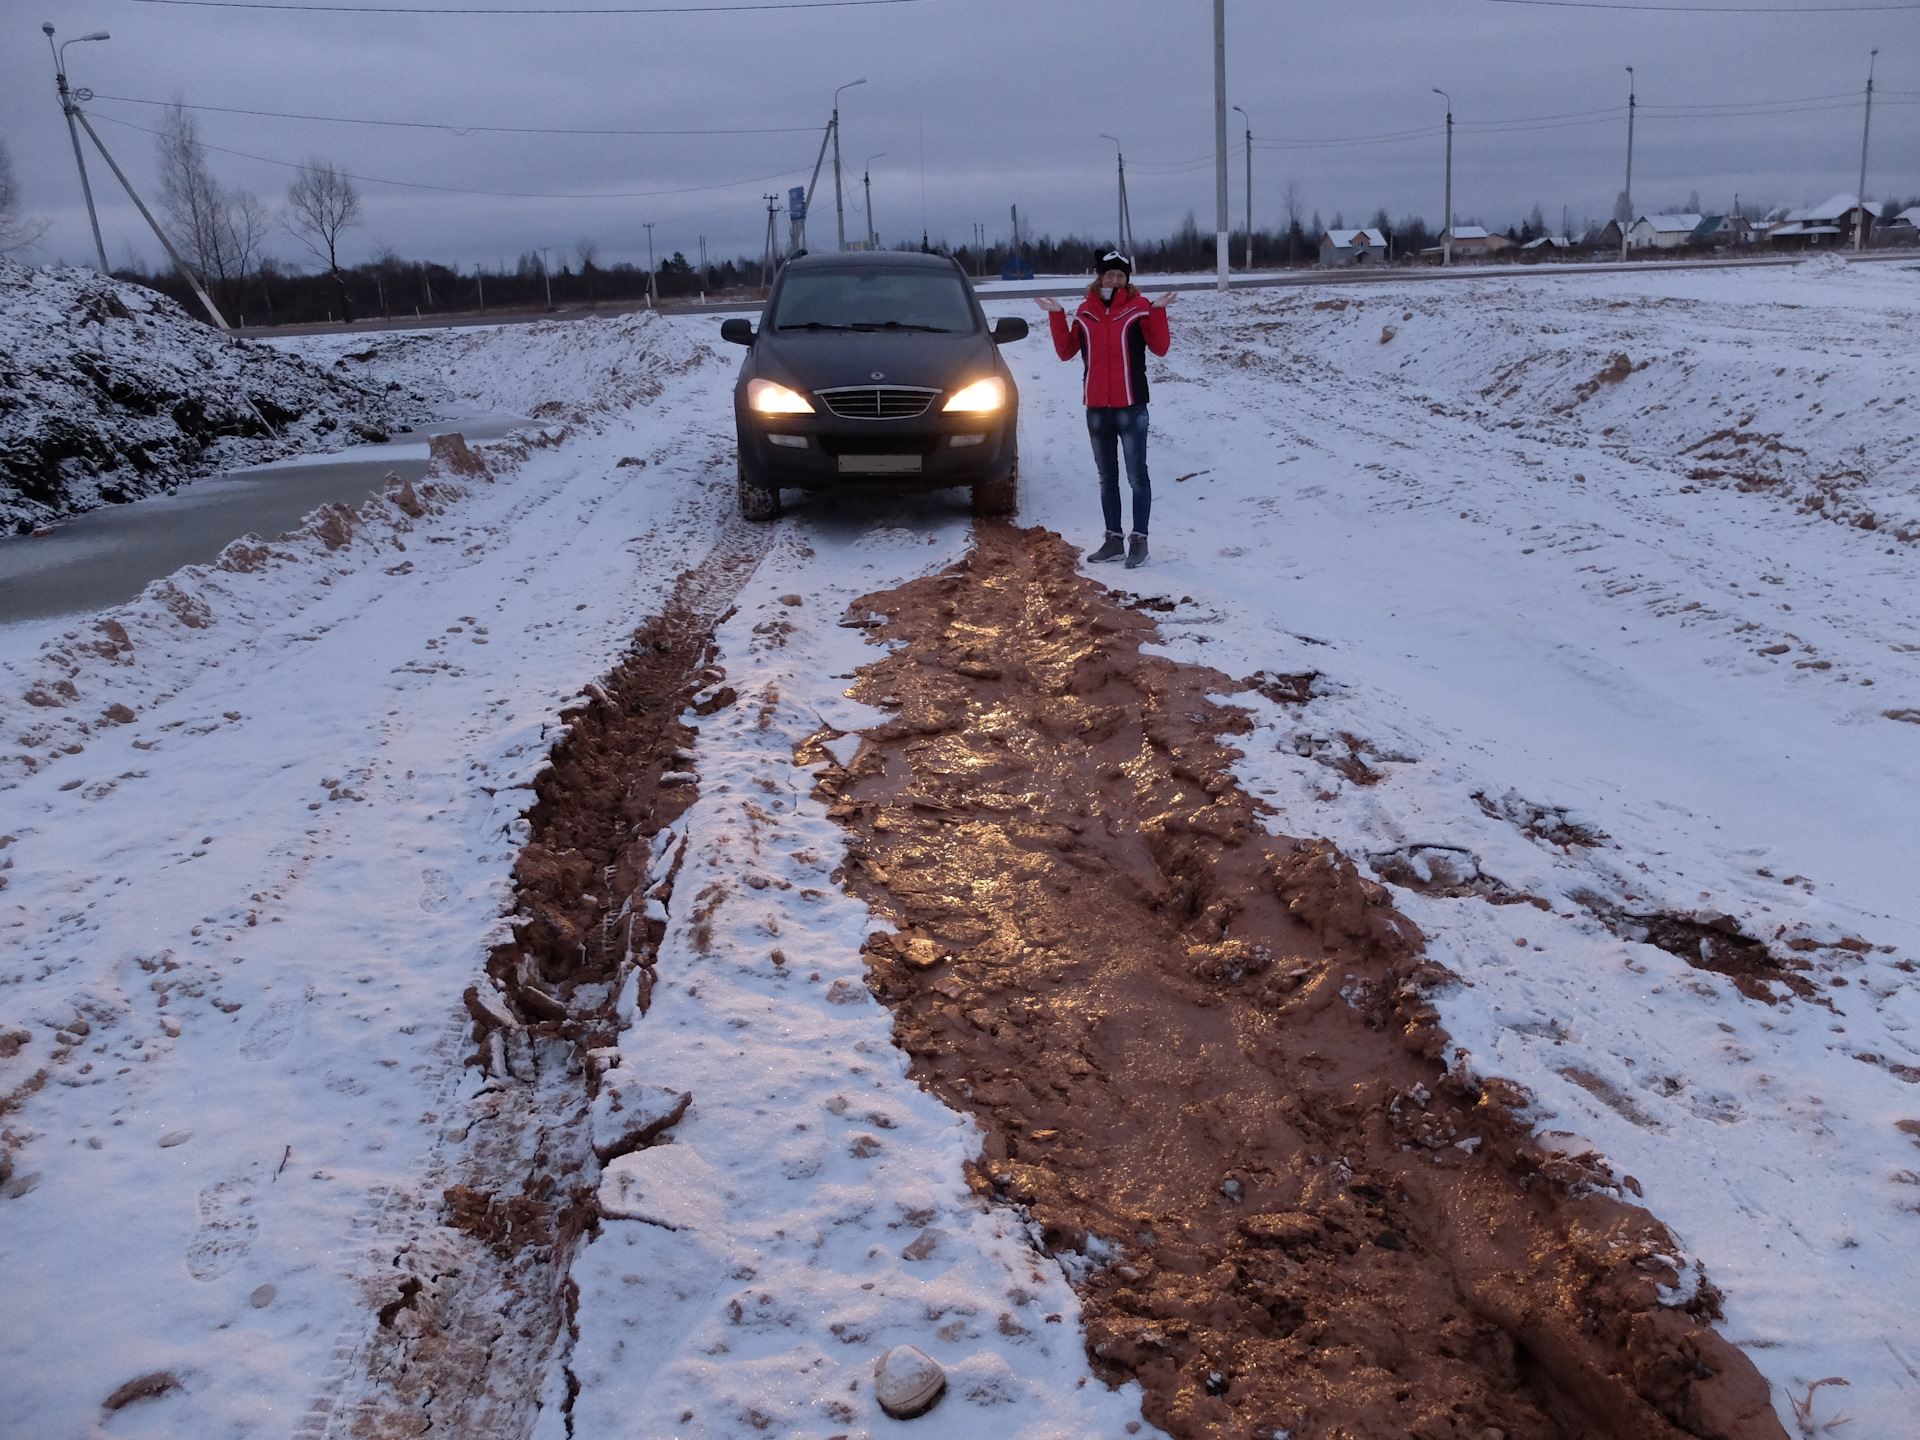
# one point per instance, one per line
(1249, 119)
(839, 210)
(1446, 229)
(1860, 218)
(1627, 220)
(1123, 221)
(67, 103)
(866, 179)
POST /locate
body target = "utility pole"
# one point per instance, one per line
(839, 208)
(1249, 119)
(546, 274)
(68, 106)
(653, 283)
(797, 224)
(1446, 228)
(186, 271)
(767, 256)
(1627, 223)
(1220, 221)
(1123, 221)
(480, 279)
(866, 179)
(1866, 129)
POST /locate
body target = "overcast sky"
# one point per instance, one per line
(1004, 99)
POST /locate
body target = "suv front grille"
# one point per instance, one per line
(877, 402)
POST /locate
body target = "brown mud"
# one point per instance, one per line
(475, 1307)
(1203, 1057)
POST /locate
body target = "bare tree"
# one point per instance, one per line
(321, 206)
(17, 232)
(218, 231)
(1295, 202)
(588, 254)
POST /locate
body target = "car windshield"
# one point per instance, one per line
(873, 300)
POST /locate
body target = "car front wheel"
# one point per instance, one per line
(999, 497)
(757, 502)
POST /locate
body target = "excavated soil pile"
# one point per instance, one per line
(1203, 1060)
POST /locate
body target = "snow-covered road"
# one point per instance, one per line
(262, 891)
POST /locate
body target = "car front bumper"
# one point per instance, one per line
(822, 451)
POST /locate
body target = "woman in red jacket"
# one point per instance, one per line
(1111, 332)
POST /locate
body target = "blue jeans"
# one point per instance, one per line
(1113, 428)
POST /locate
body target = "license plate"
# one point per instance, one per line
(879, 464)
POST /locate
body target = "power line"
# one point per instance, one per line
(527, 9)
(459, 190)
(454, 129)
(1714, 9)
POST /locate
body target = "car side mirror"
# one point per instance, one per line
(737, 331)
(1009, 328)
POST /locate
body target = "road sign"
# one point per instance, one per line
(797, 203)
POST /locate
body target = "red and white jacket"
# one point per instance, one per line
(1112, 340)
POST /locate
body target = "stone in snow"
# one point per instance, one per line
(175, 1137)
(908, 1382)
(262, 1297)
(627, 1113)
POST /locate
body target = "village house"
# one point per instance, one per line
(1662, 232)
(1353, 247)
(1822, 226)
(1476, 242)
(1722, 230)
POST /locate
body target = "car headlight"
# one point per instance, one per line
(771, 399)
(980, 396)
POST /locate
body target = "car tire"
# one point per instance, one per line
(757, 502)
(999, 497)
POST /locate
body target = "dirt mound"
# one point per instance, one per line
(109, 392)
(1205, 1066)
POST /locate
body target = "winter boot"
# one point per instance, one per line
(1114, 548)
(1136, 550)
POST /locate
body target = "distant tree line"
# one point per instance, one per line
(222, 234)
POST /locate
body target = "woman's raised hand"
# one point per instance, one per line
(1162, 301)
(1047, 302)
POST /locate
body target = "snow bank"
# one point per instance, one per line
(1797, 387)
(572, 369)
(110, 392)
(1547, 682)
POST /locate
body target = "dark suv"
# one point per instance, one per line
(876, 368)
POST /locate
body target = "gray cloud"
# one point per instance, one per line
(1012, 97)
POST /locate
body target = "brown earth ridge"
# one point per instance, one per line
(1204, 1060)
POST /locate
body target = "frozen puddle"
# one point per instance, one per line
(108, 556)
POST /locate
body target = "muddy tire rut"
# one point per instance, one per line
(1206, 1064)
(468, 1322)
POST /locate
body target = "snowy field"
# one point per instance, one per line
(1633, 639)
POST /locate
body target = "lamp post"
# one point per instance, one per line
(1446, 228)
(1627, 221)
(67, 103)
(866, 180)
(1866, 129)
(653, 280)
(1220, 221)
(1249, 121)
(1123, 221)
(839, 209)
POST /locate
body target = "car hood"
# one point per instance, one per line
(821, 360)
